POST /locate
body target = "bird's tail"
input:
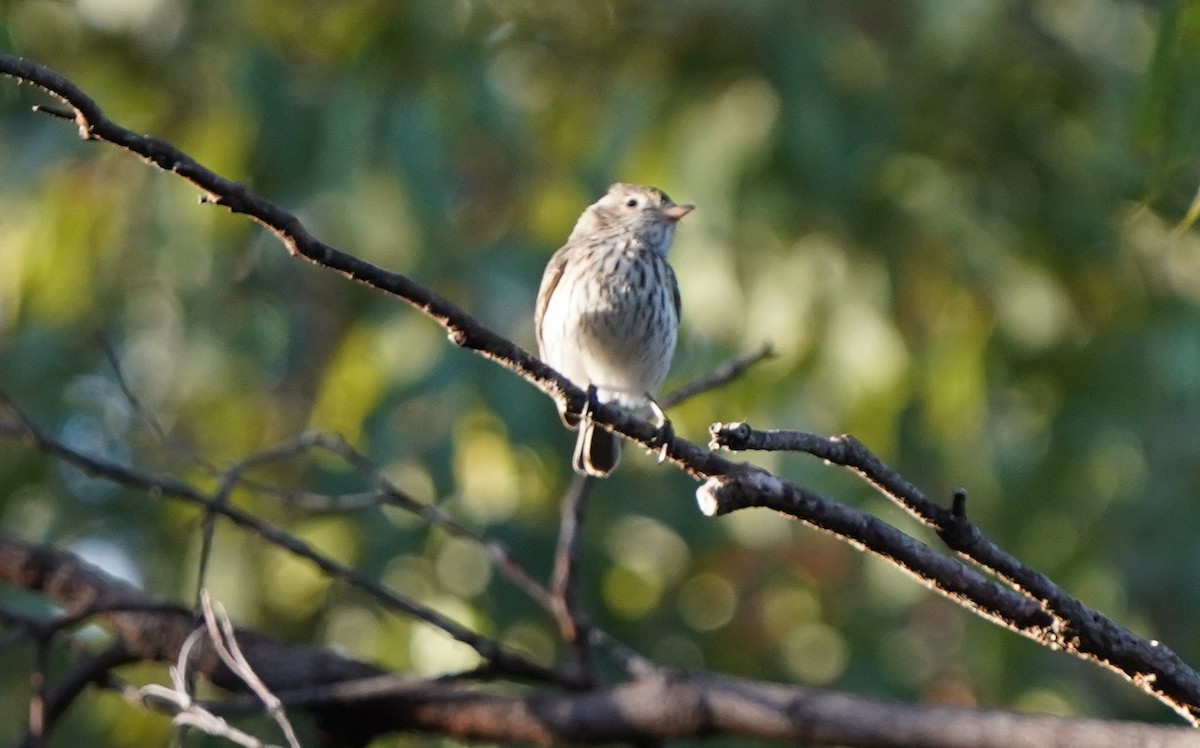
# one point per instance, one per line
(597, 451)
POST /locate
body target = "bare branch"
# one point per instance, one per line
(500, 556)
(728, 485)
(501, 658)
(462, 329)
(694, 705)
(224, 641)
(1068, 624)
(54, 702)
(114, 363)
(719, 377)
(565, 577)
(354, 701)
(187, 713)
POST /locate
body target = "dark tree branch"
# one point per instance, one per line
(354, 701)
(727, 486)
(462, 329)
(957, 581)
(564, 581)
(718, 377)
(1067, 623)
(702, 706)
(501, 658)
(501, 557)
(52, 705)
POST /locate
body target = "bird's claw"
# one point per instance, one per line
(590, 404)
(662, 439)
(664, 434)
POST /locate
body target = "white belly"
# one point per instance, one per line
(616, 331)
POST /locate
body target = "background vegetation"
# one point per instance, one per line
(952, 220)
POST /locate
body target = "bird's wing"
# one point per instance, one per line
(675, 294)
(550, 278)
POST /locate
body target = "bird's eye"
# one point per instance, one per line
(632, 202)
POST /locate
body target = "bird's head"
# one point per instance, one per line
(643, 210)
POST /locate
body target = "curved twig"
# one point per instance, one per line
(722, 375)
(564, 578)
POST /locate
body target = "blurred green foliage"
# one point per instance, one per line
(952, 219)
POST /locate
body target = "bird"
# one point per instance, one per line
(607, 314)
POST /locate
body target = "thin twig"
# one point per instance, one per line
(52, 704)
(224, 640)
(500, 556)
(719, 377)
(139, 409)
(186, 712)
(229, 480)
(166, 486)
(54, 111)
(726, 484)
(564, 582)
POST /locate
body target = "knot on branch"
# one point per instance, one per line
(732, 436)
(844, 449)
(955, 530)
(458, 336)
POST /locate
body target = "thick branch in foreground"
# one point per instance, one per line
(150, 630)
(355, 702)
(695, 706)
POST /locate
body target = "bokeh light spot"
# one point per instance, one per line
(707, 601)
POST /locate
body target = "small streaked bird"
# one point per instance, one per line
(608, 312)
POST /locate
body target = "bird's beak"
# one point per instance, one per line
(675, 212)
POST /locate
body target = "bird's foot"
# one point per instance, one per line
(665, 433)
(590, 404)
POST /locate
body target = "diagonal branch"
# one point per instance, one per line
(500, 658)
(718, 377)
(729, 485)
(498, 553)
(461, 328)
(1066, 622)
